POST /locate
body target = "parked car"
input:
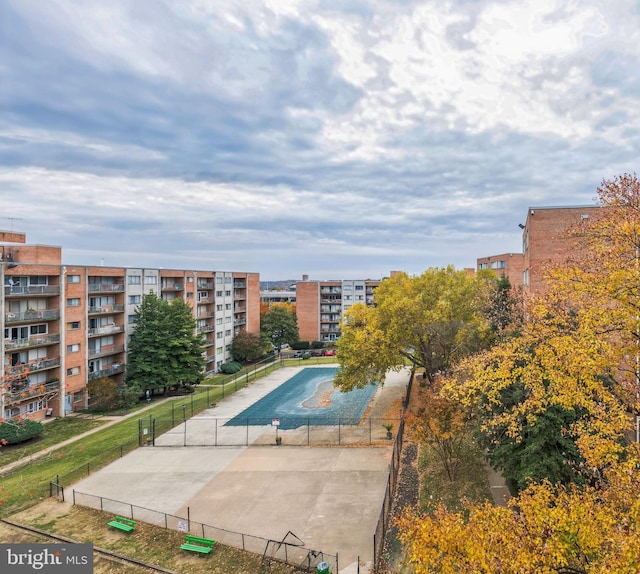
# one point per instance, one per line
(330, 353)
(297, 354)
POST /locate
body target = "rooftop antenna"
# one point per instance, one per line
(12, 220)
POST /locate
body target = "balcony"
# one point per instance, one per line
(239, 297)
(35, 341)
(106, 350)
(241, 321)
(204, 301)
(19, 290)
(106, 287)
(40, 315)
(239, 309)
(333, 290)
(113, 369)
(106, 309)
(204, 285)
(172, 287)
(17, 395)
(106, 330)
(239, 284)
(206, 329)
(33, 366)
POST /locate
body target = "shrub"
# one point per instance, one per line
(300, 345)
(17, 431)
(317, 345)
(230, 368)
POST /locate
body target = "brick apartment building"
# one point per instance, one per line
(321, 304)
(65, 325)
(545, 242)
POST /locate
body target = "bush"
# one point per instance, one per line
(300, 345)
(16, 431)
(230, 368)
(317, 345)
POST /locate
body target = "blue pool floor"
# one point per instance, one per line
(308, 398)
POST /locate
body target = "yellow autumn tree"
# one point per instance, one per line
(577, 352)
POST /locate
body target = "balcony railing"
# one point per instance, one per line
(204, 285)
(105, 287)
(106, 309)
(35, 341)
(239, 297)
(16, 395)
(172, 287)
(17, 290)
(242, 321)
(106, 330)
(113, 369)
(38, 365)
(206, 329)
(106, 350)
(239, 309)
(38, 315)
(239, 285)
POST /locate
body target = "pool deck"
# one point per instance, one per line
(329, 497)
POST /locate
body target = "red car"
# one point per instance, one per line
(330, 353)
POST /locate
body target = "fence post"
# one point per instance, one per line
(188, 519)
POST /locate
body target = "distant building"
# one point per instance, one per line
(321, 304)
(270, 297)
(509, 265)
(65, 325)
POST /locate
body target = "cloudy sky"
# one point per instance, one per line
(335, 138)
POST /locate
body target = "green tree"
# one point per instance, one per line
(431, 320)
(164, 350)
(280, 326)
(248, 347)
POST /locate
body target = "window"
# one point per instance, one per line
(218, 350)
(347, 297)
(133, 279)
(498, 264)
(131, 319)
(73, 302)
(227, 293)
(38, 280)
(150, 280)
(218, 293)
(218, 307)
(73, 325)
(135, 299)
(219, 321)
(189, 279)
(73, 371)
(228, 306)
(77, 397)
(203, 295)
(227, 320)
(483, 266)
(189, 295)
(219, 280)
(73, 278)
(227, 279)
(359, 287)
(38, 329)
(219, 335)
(227, 333)
(359, 297)
(73, 348)
(347, 287)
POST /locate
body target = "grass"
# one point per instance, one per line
(147, 542)
(55, 432)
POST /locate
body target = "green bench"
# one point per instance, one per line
(122, 523)
(197, 544)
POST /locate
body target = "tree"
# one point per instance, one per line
(547, 529)
(280, 326)
(431, 320)
(248, 347)
(103, 393)
(164, 350)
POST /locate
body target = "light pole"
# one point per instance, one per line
(2, 320)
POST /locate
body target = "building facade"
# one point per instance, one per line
(65, 325)
(509, 265)
(321, 304)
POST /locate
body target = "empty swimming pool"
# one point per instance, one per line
(308, 398)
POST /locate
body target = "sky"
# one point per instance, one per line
(337, 139)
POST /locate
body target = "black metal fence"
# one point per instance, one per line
(385, 518)
(289, 552)
(205, 431)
